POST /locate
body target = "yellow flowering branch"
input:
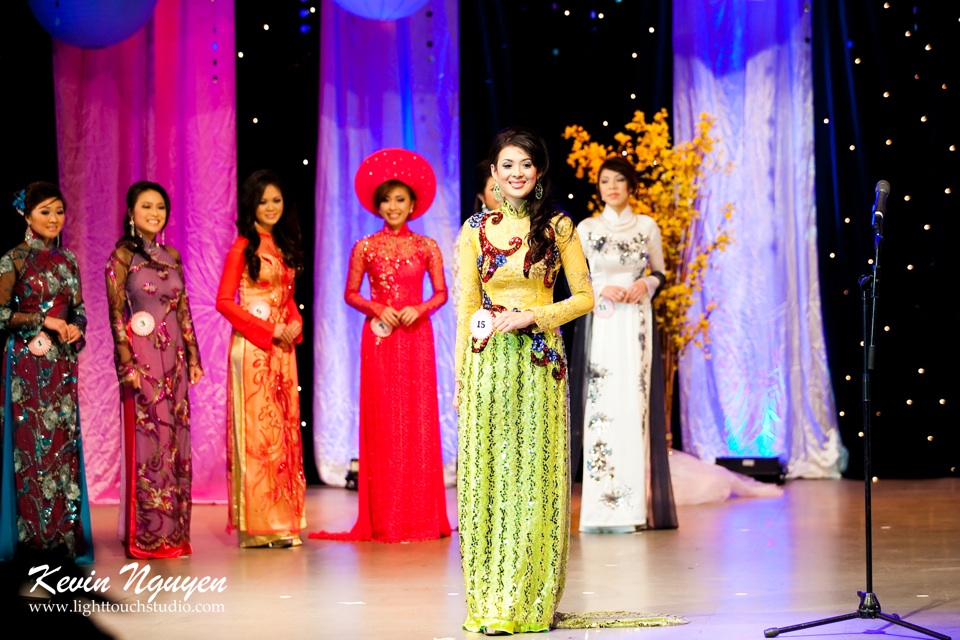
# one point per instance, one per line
(672, 187)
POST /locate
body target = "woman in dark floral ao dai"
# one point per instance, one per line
(43, 498)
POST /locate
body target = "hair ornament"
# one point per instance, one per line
(20, 201)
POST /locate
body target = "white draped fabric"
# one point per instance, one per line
(382, 84)
(765, 389)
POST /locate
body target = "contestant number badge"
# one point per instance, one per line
(604, 307)
(380, 328)
(481, 324)
(40, 344)
(142, 323)
(261, 309)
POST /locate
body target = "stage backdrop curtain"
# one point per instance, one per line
(765, 389)
(159, 106)
(382, 84)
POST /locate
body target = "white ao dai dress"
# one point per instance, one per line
(620, 249)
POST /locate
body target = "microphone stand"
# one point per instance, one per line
(869, 608)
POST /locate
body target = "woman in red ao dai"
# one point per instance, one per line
(401, 490)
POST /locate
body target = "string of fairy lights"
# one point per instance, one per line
(905, 63)
(276, 52)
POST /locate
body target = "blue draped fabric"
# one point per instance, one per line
(765, 388)
(382, 84)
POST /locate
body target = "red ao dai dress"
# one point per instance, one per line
(267, 486)
(153, 333)
(401, 491)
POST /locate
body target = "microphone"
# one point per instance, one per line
(880, 204)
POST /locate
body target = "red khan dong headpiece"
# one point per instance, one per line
(396, 164)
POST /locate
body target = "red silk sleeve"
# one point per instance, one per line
(354, 279)
(437, 281)
(257, 331)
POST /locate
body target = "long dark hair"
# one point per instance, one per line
(131, 240)
(540, 239)
(286, 233)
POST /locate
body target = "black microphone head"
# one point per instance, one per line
(880, 204)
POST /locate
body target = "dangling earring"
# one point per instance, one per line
(497, 193)
(133, 228)
(28, 236)
(538, 190)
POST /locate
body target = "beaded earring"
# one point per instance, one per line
(497, 193)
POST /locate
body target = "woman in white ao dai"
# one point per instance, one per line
(625, 256)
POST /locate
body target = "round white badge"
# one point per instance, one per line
(40, 344)
(142, 323)
(380, 328)
(481, 324)
(260, 308)
(604, 307)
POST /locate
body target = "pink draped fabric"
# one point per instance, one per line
(159, 106)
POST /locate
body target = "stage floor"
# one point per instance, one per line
(731, 569)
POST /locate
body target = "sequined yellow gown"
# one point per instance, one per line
(513, 480)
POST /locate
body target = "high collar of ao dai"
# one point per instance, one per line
(618, 221)
(400, 232)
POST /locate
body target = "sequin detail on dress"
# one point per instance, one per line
(401, 494)
(513, 467)
(42, 449)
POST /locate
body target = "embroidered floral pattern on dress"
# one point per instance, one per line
(598, 454)
(546, 354)
(491, 257)
(264, 448)
(628, 251)
(156, 496)
(48, 505)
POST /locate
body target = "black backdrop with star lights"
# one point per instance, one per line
(532, 63)
(885, 95)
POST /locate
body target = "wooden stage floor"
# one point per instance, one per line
(731, 569)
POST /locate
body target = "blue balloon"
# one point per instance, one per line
(384, 10)
(92, 24)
